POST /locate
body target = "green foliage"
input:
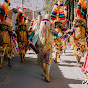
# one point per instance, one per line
(49, 4)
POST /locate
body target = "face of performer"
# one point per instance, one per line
(58, 26)
(4, 27)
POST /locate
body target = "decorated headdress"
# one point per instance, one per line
(81, 8)
(55, 10)
(4, 10)
(59, 15)
(59, 12)
(20, 17)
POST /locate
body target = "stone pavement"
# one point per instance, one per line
(64, 74)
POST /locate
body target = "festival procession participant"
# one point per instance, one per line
(6, 34)
(59, 18)
(79, 30)
(35, 33)
(44, 43)
(36, 27)
(46, 33)
(22, 34)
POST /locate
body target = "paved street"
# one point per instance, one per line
(64, 74)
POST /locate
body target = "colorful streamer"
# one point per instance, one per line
(15, 43)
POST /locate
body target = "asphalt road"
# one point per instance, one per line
(64, 74)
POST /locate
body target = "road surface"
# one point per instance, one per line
(64, 74)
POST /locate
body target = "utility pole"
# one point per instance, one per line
(22, 4)
(33, 6)
(36, 12)
(0, 2)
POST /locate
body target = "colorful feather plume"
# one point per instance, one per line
(4, 10)
(15, 44)
(81, 8)
(59, 11)
(20, 17)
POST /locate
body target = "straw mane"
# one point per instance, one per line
(44, 33)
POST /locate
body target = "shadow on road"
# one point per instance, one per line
(28, 75)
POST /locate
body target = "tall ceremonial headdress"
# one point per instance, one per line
(4, 9)
(20, 17)
(59, 14)
(81, 9)
(21, 20)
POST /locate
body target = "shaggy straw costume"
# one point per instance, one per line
(45, 46)
(22, 34)
(35, 29)
(6, 46)
(59, 16)
(46, 33)
(79, 38)
(79, 30)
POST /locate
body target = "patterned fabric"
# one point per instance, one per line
(58, 45)
(45, 56)
(80, 47)
(6, 49)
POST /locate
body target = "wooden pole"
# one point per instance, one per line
(33, 6)
(22, 4)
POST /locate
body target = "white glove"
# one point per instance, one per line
(60, 34)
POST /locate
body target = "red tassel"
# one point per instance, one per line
(61, 12)
(78, 12)
(54, 11)
(31, 23)
(1, 17)
(84, 7)
(65, 21)
(62, 18)
(81, 16)
(53, 18)
(79, 3)
(21, 19)
(16, 23)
